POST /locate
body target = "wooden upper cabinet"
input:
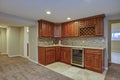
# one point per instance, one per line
(45, 28)
(85, 27)
(64, 30)
(91, 26)
(51, 29)
(99, 26)
(70, 29)
(57, 30)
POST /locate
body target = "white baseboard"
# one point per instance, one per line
(32, 60)
(105, 68)
(3, 53)
(24, 57)
(14, 55)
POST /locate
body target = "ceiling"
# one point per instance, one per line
(60, 9)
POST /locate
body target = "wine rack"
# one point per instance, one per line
(87, 31)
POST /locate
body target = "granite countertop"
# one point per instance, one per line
(54, 45)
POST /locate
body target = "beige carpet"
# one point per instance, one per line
(18, 68)
(113, 72)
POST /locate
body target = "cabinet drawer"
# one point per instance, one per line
(50, 49)
(65, 49)
(93, 50)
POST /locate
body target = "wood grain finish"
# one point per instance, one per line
(41, 55)
(57, 30)
(70, 29)
(91, 27)
(46, 55)
(94, 59)
(45, 29)
(57, 53)
(66, 55)
(50, 55)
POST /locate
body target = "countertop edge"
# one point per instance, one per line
(70, 46)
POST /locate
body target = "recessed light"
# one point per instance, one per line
(68, 18)
(48, 12)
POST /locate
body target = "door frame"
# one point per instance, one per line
(110, 22)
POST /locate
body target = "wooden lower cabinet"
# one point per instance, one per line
(66, 55)
(46, 55)
(94, 59)
(57, 53)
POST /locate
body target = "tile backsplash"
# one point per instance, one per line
(90, 42)
(76, 41)
(45, 41)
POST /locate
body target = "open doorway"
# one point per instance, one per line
(26, 41)
(115, 43)
(14, 40)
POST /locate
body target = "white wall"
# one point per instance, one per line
(33, 43)
(25, 41)
(11, 20)
(3, 45)
(13, 41)
(21, 41)
(115, 46)
(106, 41)
(4, 40)
(0, 42)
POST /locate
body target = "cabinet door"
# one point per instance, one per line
(62, 55)
(74, 29)
(70, 29)
(97, 62)
(65, 30)
(50, 55)
(57, 54)
(66, 55)
(45, 29)
(41, 55)
(94, 59)
(88, 60)
(39, 29)
(51, 29)
(57, 30)
(99, 27)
